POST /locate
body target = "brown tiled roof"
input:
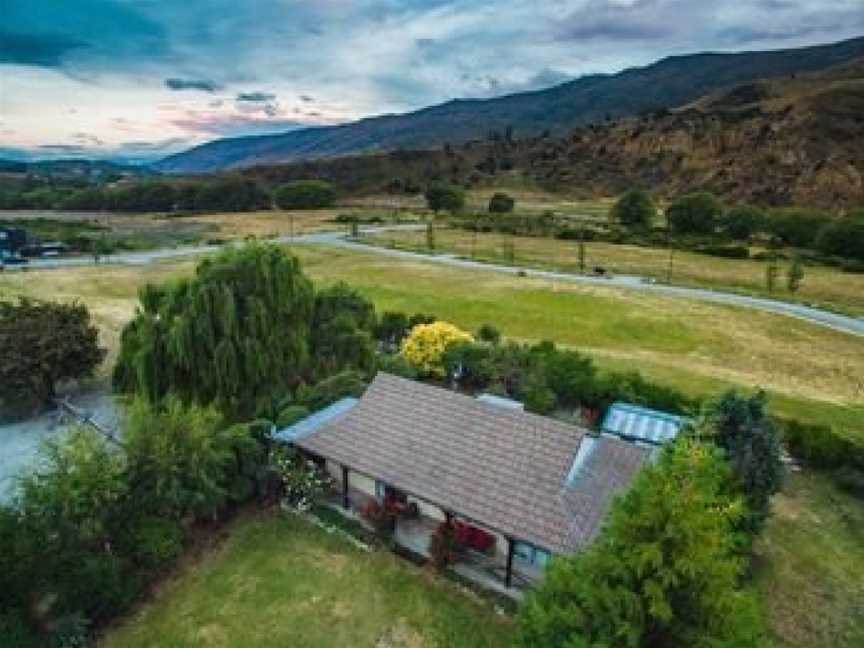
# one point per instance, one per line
(505, 469)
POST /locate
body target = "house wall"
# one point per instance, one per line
(367, 485)
(356, 481)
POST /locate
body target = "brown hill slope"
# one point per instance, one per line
(799, 140)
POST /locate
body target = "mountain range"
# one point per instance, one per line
(592, 99)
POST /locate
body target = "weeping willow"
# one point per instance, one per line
(235, 334)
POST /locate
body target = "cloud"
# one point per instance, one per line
(604, 20)
(46, 50)
(235, 124)
(88, 139)
(205, 85)
(345, 58)
(255, 97)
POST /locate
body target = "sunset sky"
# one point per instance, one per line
(138, 79)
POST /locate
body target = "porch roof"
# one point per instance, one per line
(503, 468)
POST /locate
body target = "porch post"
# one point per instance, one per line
(346, 504)
(508, 579)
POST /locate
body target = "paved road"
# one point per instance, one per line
(843, 323)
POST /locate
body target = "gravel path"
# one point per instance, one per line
(20, 442)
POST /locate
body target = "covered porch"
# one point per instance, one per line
(500, 567)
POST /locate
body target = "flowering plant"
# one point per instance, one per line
(303, 483)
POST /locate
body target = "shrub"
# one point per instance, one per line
(695, 213)
(740, 223)
(425, 346)
(391, 329)
(856, 267)
(796, 226)
(635, 208)
(843, 237)
(99, 585)
(182, 460)
(445, 197)
(152, 541)
(571, 377)
(290, 415)
(305, 194)
(303, 483)
(469, 363)
(633, 387)
(330, 390)
(725, 251)
(396, 364)
(488, 333)
(538, 397)
(821, 446)
(501, 203)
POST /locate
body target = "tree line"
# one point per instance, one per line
(221, 193)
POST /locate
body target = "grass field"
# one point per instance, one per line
(822, 286)
(279, 581)
(811, 555)
(810, 565)
(812, 373)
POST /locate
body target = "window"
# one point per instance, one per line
(532, 555)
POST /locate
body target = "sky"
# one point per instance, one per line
(138, 79)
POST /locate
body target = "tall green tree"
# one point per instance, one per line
(445, 198)
(740, 425)
(305, 194)
(42, 343)
(740, 223)
(635, 208)
(695, 213)
(343, 328)
(663, 571)
(236, 334)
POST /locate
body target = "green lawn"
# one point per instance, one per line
(279, 581)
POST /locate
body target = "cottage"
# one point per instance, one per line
(523, 486)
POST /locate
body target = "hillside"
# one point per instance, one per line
(773, 142)
(670, 82)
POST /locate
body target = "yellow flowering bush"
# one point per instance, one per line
(425, 346)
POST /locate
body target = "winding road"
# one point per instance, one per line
(820, 317)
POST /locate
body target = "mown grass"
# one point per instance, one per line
(279, 581)
(822, 285)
